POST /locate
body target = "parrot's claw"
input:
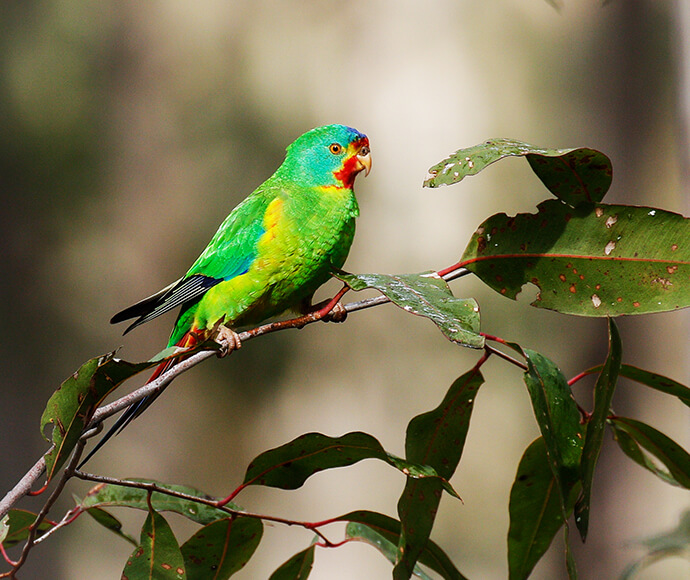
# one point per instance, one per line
(228, 340)
(337, 314)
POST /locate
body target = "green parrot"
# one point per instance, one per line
(270, 254)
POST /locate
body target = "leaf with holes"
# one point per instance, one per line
(573, 175)
(609, 261)
(427, 295)
(221, 548)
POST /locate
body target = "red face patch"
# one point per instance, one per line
(346, 175)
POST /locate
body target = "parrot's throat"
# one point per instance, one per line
(346, 175)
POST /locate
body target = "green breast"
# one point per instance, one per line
(294, 257)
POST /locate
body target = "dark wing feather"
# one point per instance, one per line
(178, 293)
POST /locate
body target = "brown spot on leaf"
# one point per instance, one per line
(598, 211)
(561, 277)
(636, 304)
(573, 289)
(674, 247)
(671, 269)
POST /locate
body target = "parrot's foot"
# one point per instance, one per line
(337, 314)
(228, 339)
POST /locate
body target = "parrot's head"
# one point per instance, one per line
(332, 155)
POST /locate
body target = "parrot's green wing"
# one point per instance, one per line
(230, 253)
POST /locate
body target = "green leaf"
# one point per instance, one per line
(609, 261)
(557, 415)
(290, 465)
(388, 528)
(4, 527)
(535, 511)
(110, 495)
(574, 175)
(110, 522)
(643, 437)
(15, 527)
(436, 438)
(221, 548)
(427, 295)
(594, 438)
(389, 550)
(296, 568)
(653, 380)
(158, 555)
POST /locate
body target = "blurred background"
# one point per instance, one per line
(130, 130)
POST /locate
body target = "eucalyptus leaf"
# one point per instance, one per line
(298, 567)
(221, 548)
(158, 555)
(435, 438)
(605, 261)
(594, 439)
(574, 175)
(427, 295)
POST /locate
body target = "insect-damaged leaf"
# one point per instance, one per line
(437, 439)
(221, 548)
(290, 465)
(384, 528)
(427, 295)
(609, 261)
(574, 175)
(158, 554)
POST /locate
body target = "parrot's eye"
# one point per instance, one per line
(335, 148)
(364, 150)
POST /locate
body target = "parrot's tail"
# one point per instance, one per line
(189, 339)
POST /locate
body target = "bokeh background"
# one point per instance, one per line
(128, 130)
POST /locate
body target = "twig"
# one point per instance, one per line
(33, 529)
(153, 487)
(24, 485)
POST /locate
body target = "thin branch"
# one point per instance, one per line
(506, 357)
(33, 529)
(153, 487)
(26, 482)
